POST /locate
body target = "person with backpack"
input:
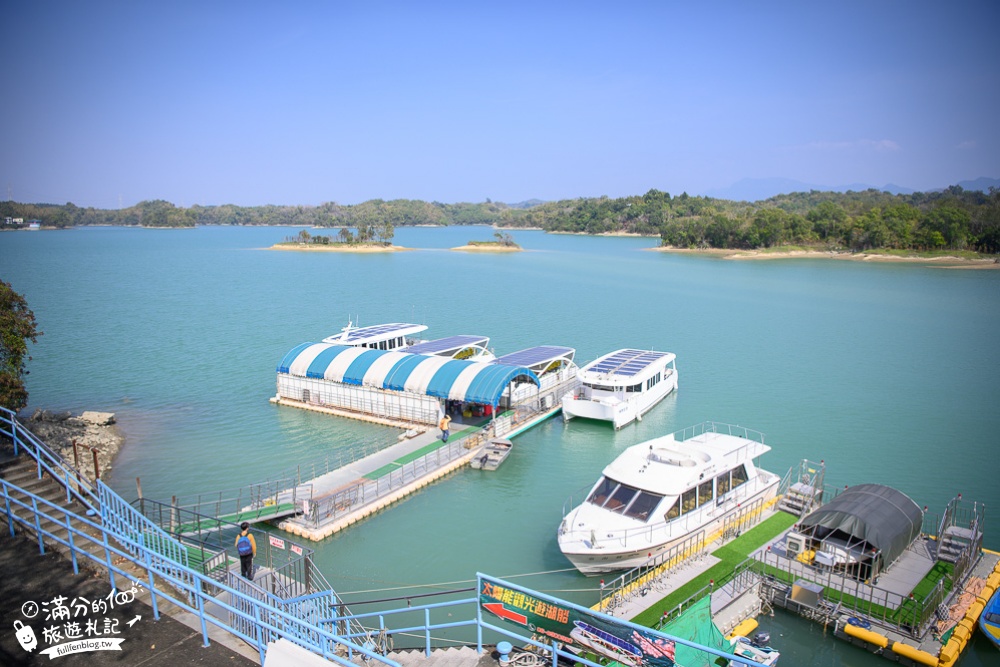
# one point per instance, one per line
(246, 547)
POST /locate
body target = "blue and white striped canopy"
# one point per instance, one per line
(441, 377)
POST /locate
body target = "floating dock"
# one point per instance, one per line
(918, 606)
(344, 496)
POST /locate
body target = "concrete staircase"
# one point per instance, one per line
(23, 472)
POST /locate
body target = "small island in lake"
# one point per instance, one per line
(367, 239)
(504, 243)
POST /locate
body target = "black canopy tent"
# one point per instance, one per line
(877, 518)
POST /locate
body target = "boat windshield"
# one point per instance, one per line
(624, 499)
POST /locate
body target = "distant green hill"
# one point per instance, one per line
(952, 219)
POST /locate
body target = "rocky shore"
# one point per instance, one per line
(92, 431)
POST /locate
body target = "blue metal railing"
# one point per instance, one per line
(186, 588)
(77, 485)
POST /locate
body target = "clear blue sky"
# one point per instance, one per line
(300, 103)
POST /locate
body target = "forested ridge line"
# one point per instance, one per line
(952, 219)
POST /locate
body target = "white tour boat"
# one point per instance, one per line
(658, 494)
(392, 336)
(621, 386)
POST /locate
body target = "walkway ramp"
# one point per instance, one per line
(258, 515)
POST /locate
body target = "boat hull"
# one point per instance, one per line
(612, 409)
(638, 551)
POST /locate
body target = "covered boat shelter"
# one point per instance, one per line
(393, 385)
(553, 364)
(863, 530)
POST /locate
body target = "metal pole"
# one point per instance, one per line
(97, 470)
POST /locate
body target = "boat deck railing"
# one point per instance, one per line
(639, 581)
(719, 427)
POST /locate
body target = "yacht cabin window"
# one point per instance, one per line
(643, 505)
(689, 501)
(729, 480)
(739, 476)
(624, 499)
(705, 493)
(601, 387)
(653, 381)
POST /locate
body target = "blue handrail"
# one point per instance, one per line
(77, 485)
(192, 585)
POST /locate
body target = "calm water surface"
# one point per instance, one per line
(887, 372)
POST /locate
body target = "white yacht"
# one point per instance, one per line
(621, 386)
(659, 493)
(395, 335)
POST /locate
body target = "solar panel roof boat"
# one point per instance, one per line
(378, 336)
(540, 358)
(622, 386)
(473, 348)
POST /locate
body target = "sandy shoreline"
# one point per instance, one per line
(944, 262)
(340, 248)
(612, 234)
(487, 248)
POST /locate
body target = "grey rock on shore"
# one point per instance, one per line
(91, 431)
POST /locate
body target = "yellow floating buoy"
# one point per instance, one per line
(867, 635)
(914, 654)
(743, 629)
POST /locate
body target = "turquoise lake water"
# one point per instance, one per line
(888, 372)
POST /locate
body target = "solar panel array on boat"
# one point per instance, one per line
(449, 343)
(377, 330)
(536, 355)
(627, 362)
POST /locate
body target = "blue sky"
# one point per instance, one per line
(255, 103)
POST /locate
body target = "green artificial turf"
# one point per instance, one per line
(730, 556)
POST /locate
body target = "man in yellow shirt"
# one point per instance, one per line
(445, 423)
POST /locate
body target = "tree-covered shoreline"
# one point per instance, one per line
(954, 218)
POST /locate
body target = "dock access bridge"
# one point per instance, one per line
(91, 524)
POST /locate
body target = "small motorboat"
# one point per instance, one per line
(493, 454)
(755, 649)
